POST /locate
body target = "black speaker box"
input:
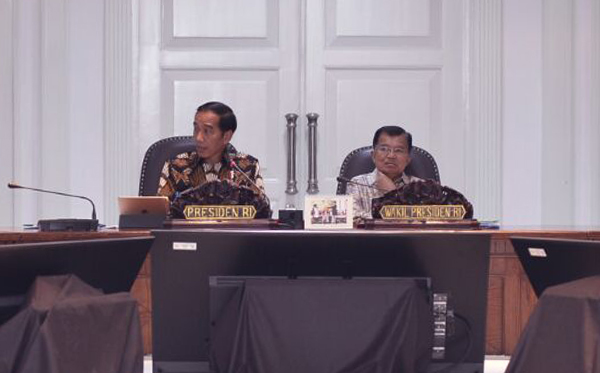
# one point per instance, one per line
(293, 219)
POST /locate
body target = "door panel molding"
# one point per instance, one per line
(220, 24)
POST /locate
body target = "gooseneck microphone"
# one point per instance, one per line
(233, 165)
(64, 224)
(17, 186)
(342, 179)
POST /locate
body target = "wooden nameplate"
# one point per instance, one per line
(380, 224)
(221, 224)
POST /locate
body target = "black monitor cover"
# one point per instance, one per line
(110, 265)
(302, 325)
(552, 261)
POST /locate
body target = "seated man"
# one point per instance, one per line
(214, 158)
(391, 155)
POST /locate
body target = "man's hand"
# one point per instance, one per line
(384, 182)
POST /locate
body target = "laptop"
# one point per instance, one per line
(552, 261)
(138, 205)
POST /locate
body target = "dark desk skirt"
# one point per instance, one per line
(67, 326)
(324, 325)
(563, 333)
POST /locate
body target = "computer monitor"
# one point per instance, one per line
(109, 264)
(551, 261)
(183, 260)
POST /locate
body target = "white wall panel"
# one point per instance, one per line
(389, 18)
(218, 59)
(85, 66)
(382, 18)
(54, 131)
(360, 101)
(6, 111)
(147, 87)
(448, 144)
(557, 112)
(220, 23)
(58, 101)
(27, 108)
(383, 24)
(219, 18)
(522, 112)
(250, 94)
(551, 120)
(586, 111)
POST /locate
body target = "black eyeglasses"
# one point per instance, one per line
(384, 149)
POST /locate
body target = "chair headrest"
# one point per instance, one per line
(360, 161)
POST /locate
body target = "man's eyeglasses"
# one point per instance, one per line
(385, 150)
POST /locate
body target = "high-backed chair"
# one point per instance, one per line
(155, 158)
(360, 161)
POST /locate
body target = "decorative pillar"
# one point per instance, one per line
(483, 81)
(120, 145)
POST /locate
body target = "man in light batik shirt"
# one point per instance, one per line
(391, 155)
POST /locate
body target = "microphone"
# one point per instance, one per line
(234, 166)
(343, 179)
(64, 224)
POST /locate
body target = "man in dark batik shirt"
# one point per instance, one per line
(214, 125)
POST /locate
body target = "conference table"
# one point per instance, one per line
(510, 297)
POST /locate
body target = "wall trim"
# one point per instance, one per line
(120, 144)
(483, 87)
(6, 110)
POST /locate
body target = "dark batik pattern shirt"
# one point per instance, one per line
(188, 170)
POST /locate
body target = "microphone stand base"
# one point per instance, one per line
(70, 225)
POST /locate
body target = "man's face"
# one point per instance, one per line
(391, 155)
(210, 140)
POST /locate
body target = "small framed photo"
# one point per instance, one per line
(328, 212)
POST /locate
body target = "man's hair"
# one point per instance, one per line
(393, 131)
(227, 119)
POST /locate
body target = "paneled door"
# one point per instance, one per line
(358, 64)
(392, 62)
(244, 53)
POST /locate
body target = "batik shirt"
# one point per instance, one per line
(364, 194)
(188, 170)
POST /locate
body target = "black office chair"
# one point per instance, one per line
(155, 158)
(359, 161)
